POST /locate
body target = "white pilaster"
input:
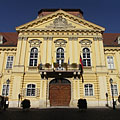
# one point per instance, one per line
(23, 51)
(44, 56)
(49, 51)
(19, 45)
(70, 50)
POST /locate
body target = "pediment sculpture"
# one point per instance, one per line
(60, 22)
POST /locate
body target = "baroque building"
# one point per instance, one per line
(41, 61)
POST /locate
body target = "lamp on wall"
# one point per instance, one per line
(111, 83)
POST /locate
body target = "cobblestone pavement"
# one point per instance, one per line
(61, 114)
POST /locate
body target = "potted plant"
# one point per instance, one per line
(56, 65)
(64, 65)
(40, 66)
(47, 65)
(74, 65)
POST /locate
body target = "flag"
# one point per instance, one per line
(40, 65)
(68, 61)
(81, 68)
(81, 61)
(52, 63)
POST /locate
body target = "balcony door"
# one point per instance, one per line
(60, 56)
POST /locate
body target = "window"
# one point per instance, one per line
(5, 90)
(86, 57)
(33, 57)
(31, 90)
(60, 55)
(9, 62)
(110, 62)
(88, 90)
(114, 90)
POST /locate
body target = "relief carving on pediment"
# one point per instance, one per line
(60, 22)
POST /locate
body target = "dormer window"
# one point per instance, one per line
(118, 39)
(1, 39)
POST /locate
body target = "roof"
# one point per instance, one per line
(110, 39)
(76, 12)
(9, 39)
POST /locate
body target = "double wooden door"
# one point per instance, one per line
(60, 92)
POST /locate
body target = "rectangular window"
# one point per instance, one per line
(114, 90)
(88, 90)
(30, 90)
(110, 62)
(9, 62)
(5, 90)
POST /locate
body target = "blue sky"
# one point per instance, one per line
(105, 13)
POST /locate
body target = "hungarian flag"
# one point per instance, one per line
(81, 68)
(81, 62)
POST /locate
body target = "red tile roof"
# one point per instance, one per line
(9, 38)
(110, 39)
(75, 12)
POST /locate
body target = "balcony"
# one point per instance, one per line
(60, 71)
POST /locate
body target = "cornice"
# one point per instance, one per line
(8, 48)
(65, 14)
(58, 30)
(111, 49)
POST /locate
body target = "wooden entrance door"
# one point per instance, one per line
(60, 92)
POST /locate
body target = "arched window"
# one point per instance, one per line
(88, 89)
(30, 90)
(60, 55)
(33, 57)
(86, 57)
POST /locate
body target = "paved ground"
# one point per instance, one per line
(61, 114)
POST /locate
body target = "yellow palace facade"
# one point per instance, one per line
(41, 61)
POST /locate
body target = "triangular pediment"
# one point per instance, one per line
(60, 20)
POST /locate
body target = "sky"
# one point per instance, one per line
(105, 13)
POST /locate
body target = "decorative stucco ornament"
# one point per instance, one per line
(60, 22)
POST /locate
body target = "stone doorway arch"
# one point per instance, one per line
(60, 92)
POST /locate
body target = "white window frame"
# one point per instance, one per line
(110, 62)
(86, 57)
(33, 58)
(114, 89)
(61, 57)
(5, 91)
(87, 91)
(9, 63)
(31, 91)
